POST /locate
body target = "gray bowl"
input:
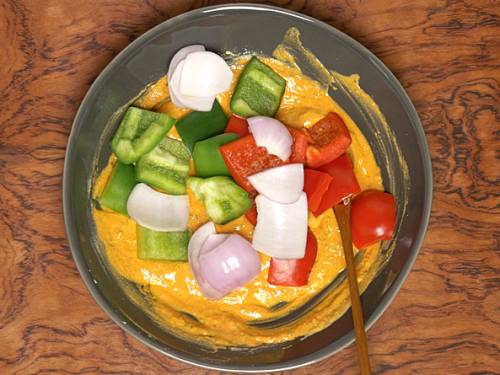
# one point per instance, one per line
(240, 28)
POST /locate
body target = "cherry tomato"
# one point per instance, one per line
(373, 216)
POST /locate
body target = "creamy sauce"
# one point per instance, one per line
(171, 288)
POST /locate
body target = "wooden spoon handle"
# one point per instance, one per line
(343, 214)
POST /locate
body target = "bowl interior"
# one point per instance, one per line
(240, 28)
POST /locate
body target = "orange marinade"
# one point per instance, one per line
(172, 289)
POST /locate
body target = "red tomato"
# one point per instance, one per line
(328, 139)
(244, 158)
(294, 272)
(373, 216)
(237, 125)
(344, 183)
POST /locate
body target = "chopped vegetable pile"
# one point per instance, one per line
(249, 164)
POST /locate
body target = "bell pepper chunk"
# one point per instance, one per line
(316, 184)
(294, 272)
(207, 158)
(237, 125)
(328, 139)
(139, 132)
(223, 199)
(197, 126)
(153, 245)
(344, 183)
(299, 147)
(244, 158)
(259, 90)
(118, 188)
(251, 214)
(165, 167)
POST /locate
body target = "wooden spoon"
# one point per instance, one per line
(343, 214)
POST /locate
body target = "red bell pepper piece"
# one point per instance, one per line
(316, 184)
(237, 125)
(251, 214)
(373, 216)
(244, 158)
(294, 272)
(299, 147)
(328, 139)
(343, 185)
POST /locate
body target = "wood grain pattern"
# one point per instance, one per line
(445, 320)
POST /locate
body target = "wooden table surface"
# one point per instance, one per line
(445, 320)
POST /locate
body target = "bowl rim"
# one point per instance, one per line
(389, 294)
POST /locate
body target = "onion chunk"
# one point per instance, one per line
(281, 230)
(197, 103)
(271, 134)
(196, 76)
(158, 211)
(205, 74)
(282, 184)
(221, 263)
(181, 55)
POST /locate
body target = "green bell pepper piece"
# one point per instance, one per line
(196, 126)
(223, 199)
(207, 158)
(118, 188)
(153, 245)
(165, 167)
(139, 132)
(259, 90)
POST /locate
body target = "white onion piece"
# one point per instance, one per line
(281, 230)
(282, 184)
(205, 74)
(271, 134)
(173, 85)
(181, 55)
(195, 245)
(158, 211)
(231, 264)
(185, 101)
